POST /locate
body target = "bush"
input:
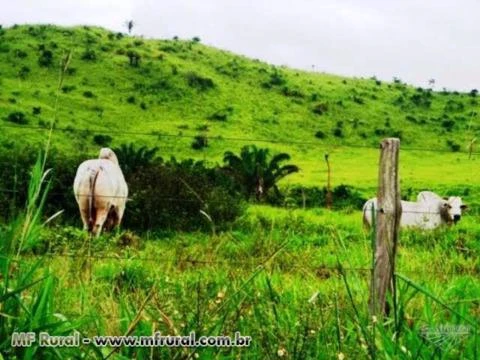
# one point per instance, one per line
(199, 142)
(143, 106)
(276, 79)
(338, 132)
(89, 55)
(358, 100)
(36, 110)
(71, 71)
(102, 140)
(17, 117)
(448, 124)
(131, 99)
(411, 118)
(68, 88)
(199, 82)
(88, 94)
(320, 134)
(46, 58)
(320, 109)
(453, 146)
(221, 115)
(175, 205)
(23, 72)
(20, 54)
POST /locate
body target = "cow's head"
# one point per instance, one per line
(107, 153)
(452, 209)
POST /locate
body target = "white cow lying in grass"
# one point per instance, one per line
(101, 192)
(428, 212)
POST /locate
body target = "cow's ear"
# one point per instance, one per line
(464, 207)
(445, 198)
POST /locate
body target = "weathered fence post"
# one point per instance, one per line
(388, 214)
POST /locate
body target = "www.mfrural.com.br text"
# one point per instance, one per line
(44, 339)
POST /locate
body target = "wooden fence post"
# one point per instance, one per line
(388, 212)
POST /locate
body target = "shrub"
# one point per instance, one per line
(102, 140)
(454, 106)
(421, 100)
(276, 79)
(143, 106)
(88, 94)
(46, 58)
(133, 58)
(320, 109)
(36, 110)
(453, 145)
(358, 100)
(448, 124)
(196, 39)
(411, 118)
(17, 117)
(89, 55)
(20, 54)
(23, 72)
(175, 204)
(320, 135)
(338, 132)
(71, 71)
(131, 99)
(68, 88)
(199, 142)
(199, 82)
(295, 93)
(222, 114)
(473, 92)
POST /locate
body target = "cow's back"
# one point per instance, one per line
(110, 183)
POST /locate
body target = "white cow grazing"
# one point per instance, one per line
(428, 212)
(101, 192)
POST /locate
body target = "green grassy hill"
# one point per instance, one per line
(181, 89)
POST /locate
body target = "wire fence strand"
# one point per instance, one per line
(159, 134)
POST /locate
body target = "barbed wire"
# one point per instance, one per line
(254, 262)
(227, 138)
(195, 200)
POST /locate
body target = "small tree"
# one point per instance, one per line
(256, 171)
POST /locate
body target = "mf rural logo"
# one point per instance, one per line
(446, 335)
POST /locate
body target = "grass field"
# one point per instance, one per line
(295, 280)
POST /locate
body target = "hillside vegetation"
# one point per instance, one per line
(164, 93)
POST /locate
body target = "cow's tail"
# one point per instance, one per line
(91, 199)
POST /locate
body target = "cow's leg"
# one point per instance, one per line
(84, 215)
(119, 210)
(101, 217)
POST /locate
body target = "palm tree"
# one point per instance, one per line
(256, 171)
(131, 158)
